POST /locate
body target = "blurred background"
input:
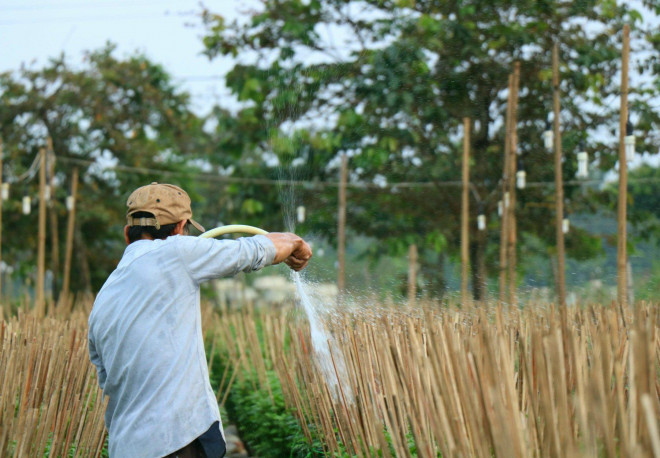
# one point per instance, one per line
(250, 106)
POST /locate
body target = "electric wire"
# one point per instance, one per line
(323, 184)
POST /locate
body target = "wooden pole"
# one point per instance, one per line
(511, 219)
(1, 165)
(505, 189)
(69, 235)
(341, 230)
(41, 247)
(412, 274)
(622, 256)
(52, 212)
(465, 212)
(559, 185)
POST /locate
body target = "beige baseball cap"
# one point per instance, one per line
(168, 203)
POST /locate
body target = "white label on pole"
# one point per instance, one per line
(506, 199)
(27, 205)
(300, 214)
(566, 225)
(5, 191)
(583, 165)
(70, 202)
(481, 222)
(629, 142)
(548, 138)
(521, 179)
(47, 193)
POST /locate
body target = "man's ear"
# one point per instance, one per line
(128, 242)
(179, 228)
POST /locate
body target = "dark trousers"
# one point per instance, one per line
(208, 445)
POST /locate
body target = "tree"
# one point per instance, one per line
(644, 201)
(110, 111)
(392, 94)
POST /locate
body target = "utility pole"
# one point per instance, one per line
(511, 218)
(52, 212)
(71, 205)
(465, 212)
(622, 256)
(41, 250)
(341, 229)
(559, 185)
(505, 195)
(1, 165)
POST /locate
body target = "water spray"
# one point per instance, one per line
(331, 365)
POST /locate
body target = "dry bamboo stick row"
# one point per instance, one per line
(32, 351)
(463, 382)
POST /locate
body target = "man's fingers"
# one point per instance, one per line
(295, 263)
(300, 257)
(304, 252)
(291, 249)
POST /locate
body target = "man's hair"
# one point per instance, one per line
(136, 232)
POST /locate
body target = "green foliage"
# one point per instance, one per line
(110, 110)
(648, 288)
(268, 427)
(394, 96)
(644, 207)
(266, 424)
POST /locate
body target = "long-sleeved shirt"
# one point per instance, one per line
(145, 339)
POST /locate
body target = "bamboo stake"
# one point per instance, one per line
(41, 251)
(622, 257)
(575, 382)
(1, 176)
(465, 212)
(504, 231)
(54, 395)
(52, 211)
(559, 185)
(341, 229)
(69, 236)
(511, 219)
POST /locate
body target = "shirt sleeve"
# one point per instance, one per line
(206, 259)
(96, 360)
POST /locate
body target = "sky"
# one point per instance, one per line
(167, 31)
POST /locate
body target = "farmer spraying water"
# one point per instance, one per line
(145, 334)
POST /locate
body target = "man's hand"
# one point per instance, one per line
(291, 249)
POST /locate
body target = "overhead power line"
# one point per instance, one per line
(259, 181)
(321, 184)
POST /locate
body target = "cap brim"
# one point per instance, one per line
(198, 226)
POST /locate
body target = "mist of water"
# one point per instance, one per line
(318, 308)
(327, 354)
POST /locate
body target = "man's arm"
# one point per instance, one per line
(206, 259)
(290, 249)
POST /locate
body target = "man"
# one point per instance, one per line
(145, 333)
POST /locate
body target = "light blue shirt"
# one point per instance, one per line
(145, 339)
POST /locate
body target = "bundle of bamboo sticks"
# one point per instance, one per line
(50, 403)
(536, 381)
